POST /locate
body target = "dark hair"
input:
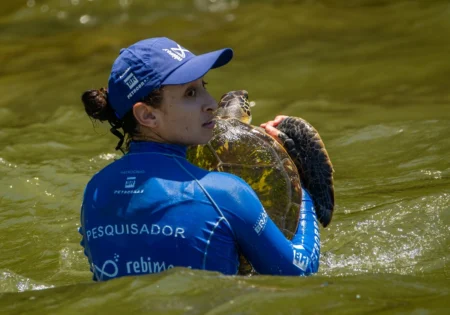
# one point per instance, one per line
(97, 107)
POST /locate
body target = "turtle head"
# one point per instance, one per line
(235, 104)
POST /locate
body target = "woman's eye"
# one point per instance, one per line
(191, 93)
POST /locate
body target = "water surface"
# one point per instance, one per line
(372, 76)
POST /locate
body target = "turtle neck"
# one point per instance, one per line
(156, 147)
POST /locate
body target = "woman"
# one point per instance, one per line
(152, 210)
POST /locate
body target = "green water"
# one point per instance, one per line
(372, 76)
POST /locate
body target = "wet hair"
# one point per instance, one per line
(97, 107)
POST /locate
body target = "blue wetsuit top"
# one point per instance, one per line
(153, 210)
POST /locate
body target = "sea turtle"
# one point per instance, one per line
(275, 171)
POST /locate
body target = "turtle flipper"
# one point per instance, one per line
(306, 148)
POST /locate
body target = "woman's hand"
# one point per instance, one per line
(270, 126)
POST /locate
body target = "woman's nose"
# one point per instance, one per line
(210, 103)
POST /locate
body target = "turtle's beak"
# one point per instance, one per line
(247, 119)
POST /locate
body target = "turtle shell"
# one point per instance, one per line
(256, 157)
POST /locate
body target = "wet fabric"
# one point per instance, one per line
(153, 210)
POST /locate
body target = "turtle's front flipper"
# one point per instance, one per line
(306, 148)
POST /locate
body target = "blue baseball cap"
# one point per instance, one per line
(151, 63)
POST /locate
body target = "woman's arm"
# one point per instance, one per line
(265, 246)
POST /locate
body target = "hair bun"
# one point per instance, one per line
(97, 106)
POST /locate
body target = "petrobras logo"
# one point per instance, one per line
(130, 182)
(261, 223)
(300, 260)
(177, 53)
(129, 187)
(136, 87)
(131, 80)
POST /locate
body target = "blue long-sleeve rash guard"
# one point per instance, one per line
(153, 210)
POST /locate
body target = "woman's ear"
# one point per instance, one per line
(146, 115)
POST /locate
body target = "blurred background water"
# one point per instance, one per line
(372, 76)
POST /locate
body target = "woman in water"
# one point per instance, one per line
(152, 210)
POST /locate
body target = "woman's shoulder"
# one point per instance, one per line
(225, 178)
(228, 183)
(106, 173)
(233, 195)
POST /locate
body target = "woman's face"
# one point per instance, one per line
(186, 114)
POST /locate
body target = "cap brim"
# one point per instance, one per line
(198, 66)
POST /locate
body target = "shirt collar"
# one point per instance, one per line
(149, 146)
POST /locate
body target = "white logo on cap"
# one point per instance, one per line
(180, 51)
(176, 53)
(131, 80)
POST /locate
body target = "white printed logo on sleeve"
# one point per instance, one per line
(260, 223)
(300, 261)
